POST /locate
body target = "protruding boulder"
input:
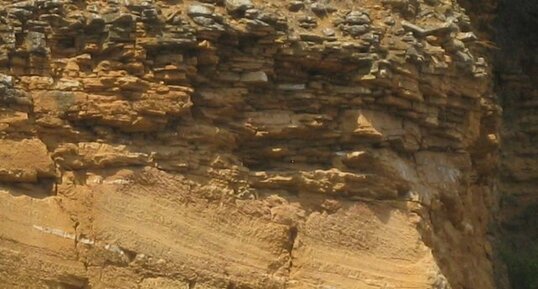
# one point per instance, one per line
(238, 6)
(358, 17)
(198, 9)
(25, 161)
(254, 77)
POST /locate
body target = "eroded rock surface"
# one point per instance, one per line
(244, 144)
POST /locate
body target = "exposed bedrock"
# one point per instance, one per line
(250, 144)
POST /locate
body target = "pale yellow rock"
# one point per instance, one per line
(25, 161)
(276, 145)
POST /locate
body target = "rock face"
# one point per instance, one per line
(245, 144)
(517, 87)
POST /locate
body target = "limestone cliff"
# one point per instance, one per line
(247, 144)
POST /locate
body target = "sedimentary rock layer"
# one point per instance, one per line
(244, 144)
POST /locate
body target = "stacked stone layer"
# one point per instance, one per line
(244, 145)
